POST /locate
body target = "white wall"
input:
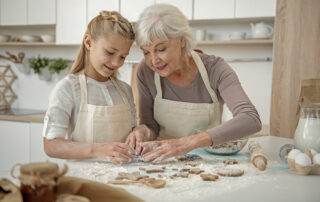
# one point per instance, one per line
(254, 76)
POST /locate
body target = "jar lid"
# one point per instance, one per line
(43, 168)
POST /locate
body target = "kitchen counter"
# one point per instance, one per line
(24, 115)
(277, 183)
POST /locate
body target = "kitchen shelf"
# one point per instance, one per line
(199, 43)
(237, 42)
(34, 44)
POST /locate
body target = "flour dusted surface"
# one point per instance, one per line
(178, 188)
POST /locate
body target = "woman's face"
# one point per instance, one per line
(164, 57)
(106, 55)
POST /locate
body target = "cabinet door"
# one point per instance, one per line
(14, 144)
(184, 5)
(95, 6)
(131, 9)
(37, 153)
(255, 8)
(41, 12)
(13, 12)
(213, 9)
(71, 21)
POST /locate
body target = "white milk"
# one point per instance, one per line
(307, 134)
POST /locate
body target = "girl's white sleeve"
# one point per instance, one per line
(58, 115)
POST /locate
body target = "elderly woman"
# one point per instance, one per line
(182, 91)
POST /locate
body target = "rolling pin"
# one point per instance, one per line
(258, 159)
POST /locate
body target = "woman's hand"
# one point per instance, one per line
(157, 151)
(113, 150)
(138, 135)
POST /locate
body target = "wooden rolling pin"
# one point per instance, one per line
(258, 159)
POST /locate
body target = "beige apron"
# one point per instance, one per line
(98, 124)
(180, 119)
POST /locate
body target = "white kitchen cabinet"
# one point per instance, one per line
(37, 153)
(71, 21)
(14, 144)
(255, 8)
(41, 12)
(213, 9)
(13, 12)
(184, 5)
(95, 6)
(131, 9)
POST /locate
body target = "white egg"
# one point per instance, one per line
(316, 159)
(293, 153)
(313, 152)
(303, 159)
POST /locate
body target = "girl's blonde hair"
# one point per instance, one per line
(104, 24)
(159, 22)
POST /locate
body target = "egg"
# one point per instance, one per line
(303, 159)
(316, 159)
(293, 153)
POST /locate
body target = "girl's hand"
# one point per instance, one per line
(157, 151)
(112, 151)
(138, 135)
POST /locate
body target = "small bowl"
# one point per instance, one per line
(48, 38)
(4, 38)
(30, 38)
(227, 148)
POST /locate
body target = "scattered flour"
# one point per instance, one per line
(177, 189)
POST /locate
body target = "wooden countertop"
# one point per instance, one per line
(25, 115)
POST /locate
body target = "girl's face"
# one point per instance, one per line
(164, 57)
(106, 55)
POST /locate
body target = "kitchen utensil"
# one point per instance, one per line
(284, 151)
(30, 38)
(48, 38)
(227, 148)
(149, 182)
(201, 34)
(261, 30)
(258, 159)
(237, 35)
(4, 38)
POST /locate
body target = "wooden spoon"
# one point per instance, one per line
(150, 182)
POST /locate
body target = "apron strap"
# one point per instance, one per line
(124, 97)
(83, 89)
(158, 85)
(204, 75)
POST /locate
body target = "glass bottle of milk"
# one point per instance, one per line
(307, 134)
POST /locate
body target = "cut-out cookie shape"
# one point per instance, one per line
(230, 161)
(196, 171)
(130, 176)
(191, 164)
(183, 175)
(230, 172)
(209, 177)
(189, 157)
(155, 169)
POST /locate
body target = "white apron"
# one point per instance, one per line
(98, 124)
(180, 119)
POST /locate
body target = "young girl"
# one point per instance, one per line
(91, 112)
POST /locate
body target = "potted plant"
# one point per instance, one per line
(40, 67)
(59, 66)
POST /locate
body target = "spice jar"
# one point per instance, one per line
(38, 181)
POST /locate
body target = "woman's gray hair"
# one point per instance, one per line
(159, 22)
